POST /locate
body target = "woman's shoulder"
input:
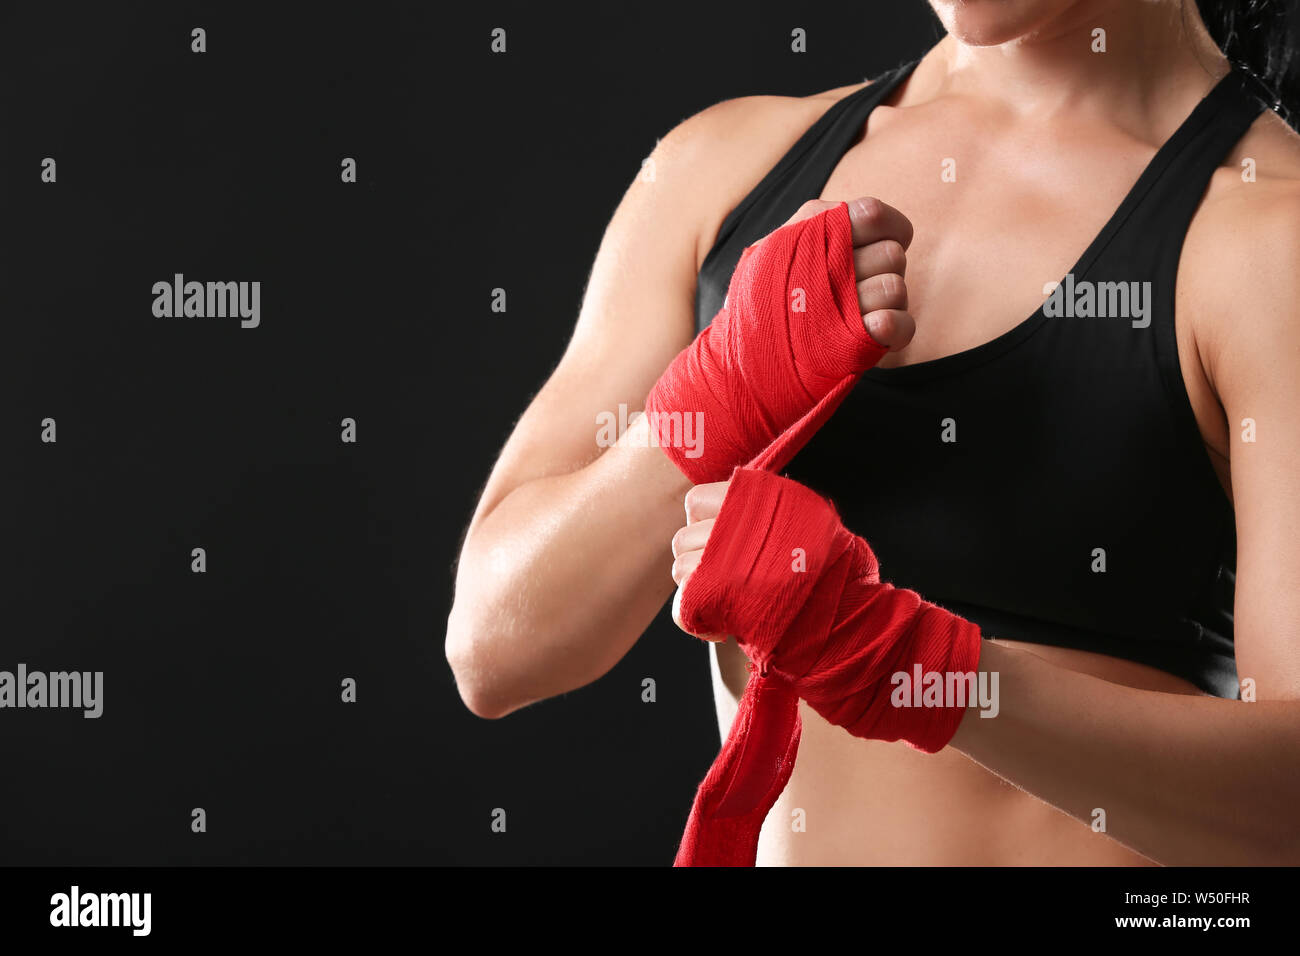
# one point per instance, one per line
(1240, 267)
(1253, 201)
(1261, 175)
(723, 151)
(756, 120)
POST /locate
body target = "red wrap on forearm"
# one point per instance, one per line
(786, 348)
(800, 592)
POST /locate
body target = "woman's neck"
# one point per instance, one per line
(1136, 57)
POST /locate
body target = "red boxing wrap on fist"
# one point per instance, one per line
(786, 348)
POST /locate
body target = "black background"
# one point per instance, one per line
(325, 560)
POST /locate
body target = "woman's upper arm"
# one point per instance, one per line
(1253, 317)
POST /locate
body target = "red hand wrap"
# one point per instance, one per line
(766, 376)
(784, 351)
(804, 598)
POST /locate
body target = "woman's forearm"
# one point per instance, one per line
(1185, 780)
(558, 581)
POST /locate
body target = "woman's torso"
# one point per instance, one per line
(997, 217)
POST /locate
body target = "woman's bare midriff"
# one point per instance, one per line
(854, 802)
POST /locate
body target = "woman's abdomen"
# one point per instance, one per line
(854, 802)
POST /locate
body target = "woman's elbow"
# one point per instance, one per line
(483, 688)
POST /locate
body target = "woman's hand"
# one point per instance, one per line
(703, 502)
(881, 235)
(809, 308)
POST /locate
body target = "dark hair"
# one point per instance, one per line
(1259, 36)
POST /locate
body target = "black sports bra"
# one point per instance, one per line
(1076, 506)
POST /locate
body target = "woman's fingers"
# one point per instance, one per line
(886, 257)
(887, 291)
(677, 619)
(892, 328)
(693, 537)
(705, 501)
(875, 221)
(684, 564)
(881, 235)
